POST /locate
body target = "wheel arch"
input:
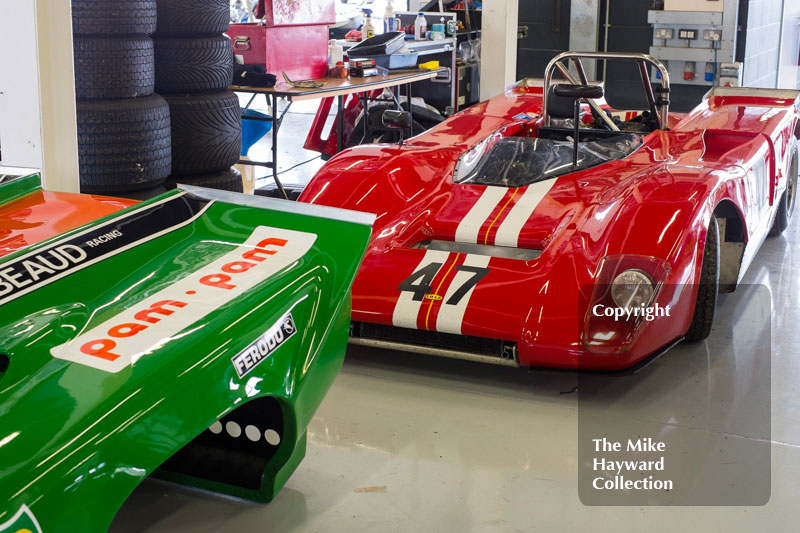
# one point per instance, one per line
(732, 241)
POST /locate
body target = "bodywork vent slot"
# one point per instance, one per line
(522, 254)
(479, 349)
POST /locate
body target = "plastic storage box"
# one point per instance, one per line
(396, 60)
(384, 44)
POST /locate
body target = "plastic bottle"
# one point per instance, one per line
(367, 30)
(420, 27)
(388, 18)
(335, 53)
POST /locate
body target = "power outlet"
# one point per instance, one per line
(689, 35)
(664, 33)
(712, 35)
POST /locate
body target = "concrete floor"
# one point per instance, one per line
(442, 445)
(296, 165)
(446, 445)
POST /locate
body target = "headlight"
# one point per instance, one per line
(632, 288)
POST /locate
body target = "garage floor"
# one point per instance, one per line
(412, 443)
(409, 443)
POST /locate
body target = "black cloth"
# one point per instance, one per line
(253, 76)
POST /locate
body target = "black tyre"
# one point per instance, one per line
(119, 17)
(226, 180)
(206, 132)
(707, 287)
(123, 145)
(196, 65)
(187, 18)
(107, 68)
(144, 194)
(271, 190)
(788, 198)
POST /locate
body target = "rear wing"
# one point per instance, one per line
(752, 96)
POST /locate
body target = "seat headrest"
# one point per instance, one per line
(559, 106)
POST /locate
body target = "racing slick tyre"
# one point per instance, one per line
(227, 180)
(707, 287)
(206, 132)
(107, 68)
(193, 65)
(788, 198)
(144, 194)
(193, 18)
(121, 17)
(123, 145)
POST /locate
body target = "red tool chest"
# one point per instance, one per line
(292, 37)
(300, 51)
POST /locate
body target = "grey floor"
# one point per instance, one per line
(409, 443)
(296, 166)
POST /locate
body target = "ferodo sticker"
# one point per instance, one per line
(66, 256)
(153, 322)
(23, 521)
(262, 347)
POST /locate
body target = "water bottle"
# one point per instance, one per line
(420, 27)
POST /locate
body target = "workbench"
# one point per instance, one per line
(334, 87)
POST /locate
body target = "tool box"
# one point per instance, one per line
(300, 51)
(291, 37)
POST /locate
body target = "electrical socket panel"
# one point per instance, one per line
(712, 35)
(664, 33)
(687, 34)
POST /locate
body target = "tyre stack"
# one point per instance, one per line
(123, 127)
(194, 68)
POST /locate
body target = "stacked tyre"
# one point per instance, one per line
(194, 68)
(123, 127)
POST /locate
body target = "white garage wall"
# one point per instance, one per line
(37, 91)
(788, 70)
(20, 129)
(498, 46)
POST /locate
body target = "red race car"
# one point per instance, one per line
(515, 234)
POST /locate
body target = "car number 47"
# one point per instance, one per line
(420, 282)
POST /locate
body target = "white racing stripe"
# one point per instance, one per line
(509, 230)
(451, 317)
(406, 309)
(470, 225)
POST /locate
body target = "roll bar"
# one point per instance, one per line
(658, 106)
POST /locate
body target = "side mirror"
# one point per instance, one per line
(393, 118)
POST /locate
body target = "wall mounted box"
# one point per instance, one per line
(694, 5)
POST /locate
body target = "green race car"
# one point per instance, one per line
(190, 337)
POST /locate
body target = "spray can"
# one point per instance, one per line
(367, 30)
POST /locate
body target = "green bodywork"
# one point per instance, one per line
(75, 440)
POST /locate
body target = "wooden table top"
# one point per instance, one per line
(340, 86)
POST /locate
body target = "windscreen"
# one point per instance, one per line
(520, 161)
